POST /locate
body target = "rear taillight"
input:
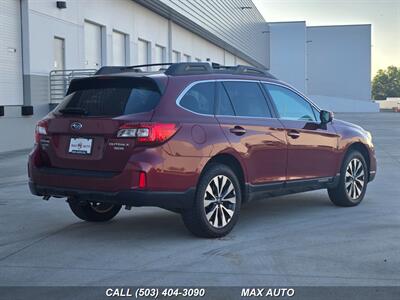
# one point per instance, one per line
(41, 130)
(148, 133)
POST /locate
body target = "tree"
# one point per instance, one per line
(386, 83)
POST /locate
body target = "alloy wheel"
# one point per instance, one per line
(220, 201)
(355, 179)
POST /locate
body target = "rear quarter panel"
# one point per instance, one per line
(197, 140)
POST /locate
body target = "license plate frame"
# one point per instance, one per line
(80, 146)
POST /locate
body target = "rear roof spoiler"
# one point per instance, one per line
(122, 69)
(123, 81)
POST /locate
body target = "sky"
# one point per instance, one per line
(384, 15)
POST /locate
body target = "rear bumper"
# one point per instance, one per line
(163, 172)
(168, 200)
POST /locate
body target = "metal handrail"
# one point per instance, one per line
(60, 79)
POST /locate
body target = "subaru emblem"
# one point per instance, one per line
(76, 126)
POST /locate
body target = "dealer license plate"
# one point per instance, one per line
(80, 146)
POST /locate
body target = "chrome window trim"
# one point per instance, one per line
(244, 117)
(183, 93)
(192, 84)
(186, 89)
(304, 97)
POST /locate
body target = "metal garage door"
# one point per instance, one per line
(92, 46)
(229, 59)
(176, 56)
(143, 53)
(159, 55)
(59, 53)
(10, 53)
(119, 48)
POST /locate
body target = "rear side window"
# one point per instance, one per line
(200, 98)
(247, 99)
(111, 97)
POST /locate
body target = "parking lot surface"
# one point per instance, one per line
(295, 240)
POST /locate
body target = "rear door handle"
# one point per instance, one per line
(294, 134)
(238, 130)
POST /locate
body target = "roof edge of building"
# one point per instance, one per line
(285, 22)
(339, 25)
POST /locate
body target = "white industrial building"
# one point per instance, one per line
(329, 64)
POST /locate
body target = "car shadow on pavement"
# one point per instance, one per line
(158, 224)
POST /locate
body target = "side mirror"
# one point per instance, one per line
(326, 116)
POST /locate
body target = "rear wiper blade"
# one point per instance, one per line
(73, 111)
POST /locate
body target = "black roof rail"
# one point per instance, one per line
(192, 68)
(189, 68)
(243, 70)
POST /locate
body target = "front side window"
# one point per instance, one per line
(247, 99)
(290, 106)
(200, 98)
(317, 115)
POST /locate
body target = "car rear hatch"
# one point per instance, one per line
(82, 130)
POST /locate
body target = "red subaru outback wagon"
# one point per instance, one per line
(196, 138)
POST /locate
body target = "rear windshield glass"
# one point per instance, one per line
(110, 97)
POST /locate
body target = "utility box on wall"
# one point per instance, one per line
(27, 110)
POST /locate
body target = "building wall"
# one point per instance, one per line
(288, 52)
(237, 23)
(330, 64)
(10, 53)
(128, 17)
(187, 43)
(339, 61)
(238, 28)
(42, 21)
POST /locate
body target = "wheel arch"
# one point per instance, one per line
(360, 147)
(232, 162)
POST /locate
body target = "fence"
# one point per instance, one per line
(60, 80)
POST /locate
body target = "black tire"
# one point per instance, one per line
(93, 211)
(219, 210)
(342, 194)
